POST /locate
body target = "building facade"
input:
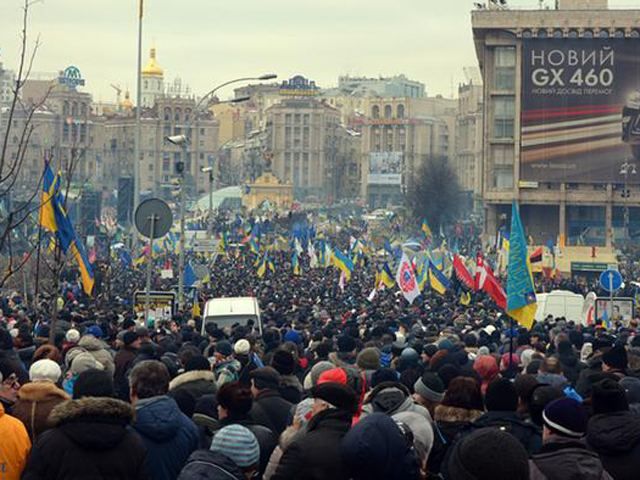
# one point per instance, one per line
(559, 133)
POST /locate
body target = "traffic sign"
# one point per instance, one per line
(610, 280)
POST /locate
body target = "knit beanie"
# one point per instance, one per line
(474, 457)
(338, 395)
(430, 387)
(45, 371)
(566, 417)
(242, 347)
(608, 396)
(501, 396)
(84, 361)
(616, 358)
(72, 336)
(197, 362)
(237, 443)
(368, 359)
(346, 344)
(93, 383)
(223, 347)
(283, 362)
(311, 380)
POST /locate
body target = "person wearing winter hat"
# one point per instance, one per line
(423, 435)
(488, 454)
(317, 453)
(196, 381)
(226, 368)
(269, 407)
(81, 362)
(429, 391)
(615, 361)
(368, 360)
(487, 368)
(124, 361)
(37, 399)
(234, 455)
(311, 380)
(290, 387)
(346, 351)
(377, 448)
(564, 454)
(613, 432)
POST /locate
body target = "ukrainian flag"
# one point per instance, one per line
(295, 263)
(425, 229)
(438, 280)
(386, 277)
(422, 275)
(343, 263)
(262, 266)
(50, 189)
(253, 245)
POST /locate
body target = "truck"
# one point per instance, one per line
(228, 311)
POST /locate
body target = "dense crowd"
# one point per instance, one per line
(337, 386)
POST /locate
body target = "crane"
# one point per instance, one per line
(118, 92)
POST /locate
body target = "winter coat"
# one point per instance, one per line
(208, 465)
(271, 410)
(123, 362)
(615, 437)
(188, 387)
(291, 388)
(89, 438)
(392, 398)
(10, 362)
(227, 371)
(316, 455)
(528, 434)
(562, 458)
(34, 404)
(169, 435)
(448, 423)
(14, 446)
(571, 367)
(100, 351)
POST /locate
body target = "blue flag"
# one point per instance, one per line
(189, 275)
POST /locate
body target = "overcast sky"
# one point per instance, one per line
(207, 42)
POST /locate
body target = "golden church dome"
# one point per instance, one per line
(152, 67)
(127, 104)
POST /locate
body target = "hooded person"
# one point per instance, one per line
(285, 364)
(226, 368)
(378, 448)
(486, 366)
(196, 381)
(37, 398)
(631, 387)
(391, 398)
(613, 432)
(82, 361)
(423, 435)
(90, 437)
(569, 361)
(98, 349)
(368, 361)
(234, 455)
(317, 454)
(564, 453)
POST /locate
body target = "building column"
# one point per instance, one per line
(490, 221)
(562, 227)
(608, 223)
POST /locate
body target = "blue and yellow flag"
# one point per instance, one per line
(438, 280)
(422, 275)
(343, 263)
(295, 263)
(386, 277)
(521, 294)
(425, 229)
(254, 245)
(50, 189)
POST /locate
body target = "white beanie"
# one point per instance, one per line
(72, 336)
(242, 347)
(45, 370)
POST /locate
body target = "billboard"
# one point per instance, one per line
(385, 168)
(580, 116)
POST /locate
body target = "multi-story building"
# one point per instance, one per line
(7, 84)
(468, 147)
(561, 114)
(396, 86)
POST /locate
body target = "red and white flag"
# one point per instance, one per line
(406, 279)
(462, 273)
(487, 282)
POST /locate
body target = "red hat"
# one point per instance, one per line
(335, 375)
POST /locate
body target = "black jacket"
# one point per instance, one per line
(566, 459)
(615, 437)
(90, 439)
(266, 438)
(187, 388)
(271, 410)
(208, 465)
(571, 367)
(316, 454)
(528, 434)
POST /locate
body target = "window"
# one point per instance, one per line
(166, 163)
(296, 118)
(400, 113)
(83, 132)
(83, 109)
(202, 132)
(176, 116)
(305, 119)
(505, 68)
(146, 84)
(503, 159)
(503, 117)
(151, 167)
(287, 118)
(167, 114)
(375, 111)
(65, 108)
(74, 109)
(387, 111)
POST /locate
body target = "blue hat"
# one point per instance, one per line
(95, 330)
(566, 417)
(237, 443)
(293, 336)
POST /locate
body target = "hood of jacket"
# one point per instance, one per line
(158, 418)
(389, 398)
(193, 376)
(568, 458)
(92, 344)
(207, 464)
(93, 423)
(614, 433)
(40, 391)
(444, 413)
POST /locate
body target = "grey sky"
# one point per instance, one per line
(206, 42)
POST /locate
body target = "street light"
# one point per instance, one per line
(183, 141)
(209, 170)
(626, 169)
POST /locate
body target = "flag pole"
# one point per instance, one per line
(510, 342)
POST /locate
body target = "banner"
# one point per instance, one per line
(385, 168)
(580, 117)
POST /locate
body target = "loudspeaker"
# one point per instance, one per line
(90, 210)
(125, 200)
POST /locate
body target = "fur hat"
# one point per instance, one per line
(45, 371)
(565, 416)
(242, 347)
(616, 358)
(283, 362)
(368, 359)
(608, 396)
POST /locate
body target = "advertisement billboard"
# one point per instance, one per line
(385, 168)
(580, 117)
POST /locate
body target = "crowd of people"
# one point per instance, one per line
(337, 386)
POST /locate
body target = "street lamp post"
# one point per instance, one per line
(626, 169)
(209, 170)
(183, 141)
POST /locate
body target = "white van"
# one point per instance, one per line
(560, 303)
(228, 311)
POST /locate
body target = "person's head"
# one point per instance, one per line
(197, 363)
(223, 350)
(47, 351)
(240, 445)
(131, 340)
(551, 365)
(283, 361)
(331, 395)
(501, 396)
(608, 396)
(564, 417)
(463, 392)
(265, 378)
(45, 371)
(147, 379)
(615, 359)
(475, 457)
(368, 359)
(429, 391)
(234, 400)
(93, 383)
(541, 396)
(524, 385)
(423, 436)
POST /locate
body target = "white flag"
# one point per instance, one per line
(313, 258)
(406, 279)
